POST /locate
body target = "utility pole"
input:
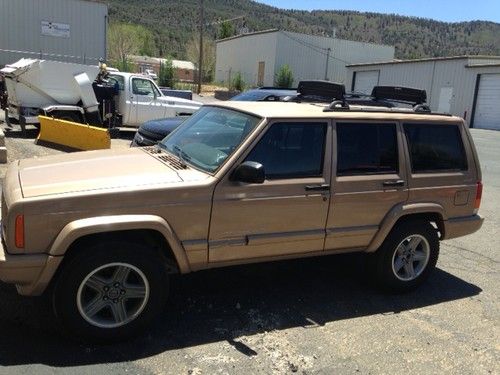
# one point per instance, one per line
(327, 61)
(200, 61)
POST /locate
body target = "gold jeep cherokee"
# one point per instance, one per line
(239, 183)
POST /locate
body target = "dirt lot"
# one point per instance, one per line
(316, 316)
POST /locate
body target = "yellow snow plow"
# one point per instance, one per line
(72, 134)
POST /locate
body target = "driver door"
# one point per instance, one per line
(145, 105)
(287, 213)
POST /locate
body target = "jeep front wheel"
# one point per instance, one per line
(110, 291)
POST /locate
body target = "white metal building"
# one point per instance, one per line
(259, 56)
(64, 30)
(467, 86)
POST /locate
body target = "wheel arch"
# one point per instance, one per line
(153, 229)
(431, 212)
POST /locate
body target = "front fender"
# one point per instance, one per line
(105, 224)
(399, 211)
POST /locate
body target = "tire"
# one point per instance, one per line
(92, 306)
(400, 265)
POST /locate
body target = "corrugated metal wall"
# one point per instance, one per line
(307, 55)
(449, 83)
(243, 55)
(21, 30)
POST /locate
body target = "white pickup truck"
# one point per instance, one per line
(71, 92)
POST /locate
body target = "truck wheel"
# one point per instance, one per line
(110, 291)
(407, 256)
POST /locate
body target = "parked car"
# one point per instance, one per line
(151, 132)
(237, 183)
(264, 94)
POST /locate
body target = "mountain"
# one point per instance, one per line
(173, 23)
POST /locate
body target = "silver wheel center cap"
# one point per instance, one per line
(113, 293)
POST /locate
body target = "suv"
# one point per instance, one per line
(237, 182)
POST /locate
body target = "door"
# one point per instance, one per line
(370, 179)
(364, 82)
(261, 73)
(487, 112)
(287, 213)
(145, 103)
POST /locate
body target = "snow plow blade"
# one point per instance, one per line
(72, 135)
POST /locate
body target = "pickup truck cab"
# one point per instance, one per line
(139, 100)
(237, 182)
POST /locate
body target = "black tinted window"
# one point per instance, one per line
(290, 150)
(366, 149)
(435, 148)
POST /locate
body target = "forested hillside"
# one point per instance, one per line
(173, 22)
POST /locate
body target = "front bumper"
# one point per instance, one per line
(462, 226)
(30, 273)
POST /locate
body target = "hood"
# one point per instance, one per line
(93, 170)
(162, 127)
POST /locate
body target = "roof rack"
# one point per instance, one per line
(320, 89)
(400, 94)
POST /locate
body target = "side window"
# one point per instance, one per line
(114, 79)
(291, 150)
(364, 149)
(143, 87)
(435, 148)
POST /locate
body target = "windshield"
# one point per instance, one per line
(207, 138)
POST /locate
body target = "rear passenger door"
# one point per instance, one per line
(369, 179)
(442, 169)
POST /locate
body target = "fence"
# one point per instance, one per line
(8, 56)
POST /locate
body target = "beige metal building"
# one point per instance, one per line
(467, 86)
(259, 56)
(64, 30)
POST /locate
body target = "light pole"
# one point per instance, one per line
(200, 61)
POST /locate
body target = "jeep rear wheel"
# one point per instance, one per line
(110, 291)
(407, 256)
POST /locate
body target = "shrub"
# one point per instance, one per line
(284, 78)
(166, 77)
(237, 83)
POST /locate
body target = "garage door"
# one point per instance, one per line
(487, 113)
(365, 81)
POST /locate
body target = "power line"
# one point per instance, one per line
(316, 48)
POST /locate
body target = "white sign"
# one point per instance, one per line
(61, 30)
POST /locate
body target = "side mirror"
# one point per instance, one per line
(249, 172)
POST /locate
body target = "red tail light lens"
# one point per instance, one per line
(479, 194)
(19, 235)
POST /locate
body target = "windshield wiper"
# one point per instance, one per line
(183, 157)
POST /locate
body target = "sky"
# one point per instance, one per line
(442, 10)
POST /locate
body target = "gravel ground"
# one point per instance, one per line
(314, 316)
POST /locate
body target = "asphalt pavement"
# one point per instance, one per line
(313, 316)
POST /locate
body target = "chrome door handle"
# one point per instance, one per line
(394, 183)
(322, 187)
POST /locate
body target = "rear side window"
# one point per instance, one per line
(435, 148)
(364, 149)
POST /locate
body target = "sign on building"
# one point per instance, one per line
(61, 30)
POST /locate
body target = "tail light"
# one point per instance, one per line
(19, 231)
(479, 194)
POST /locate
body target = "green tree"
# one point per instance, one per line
(193, 53)
(125, 39)
(166, 77)
(284, 78)
(226, 30)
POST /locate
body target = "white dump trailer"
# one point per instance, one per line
(85, 94)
